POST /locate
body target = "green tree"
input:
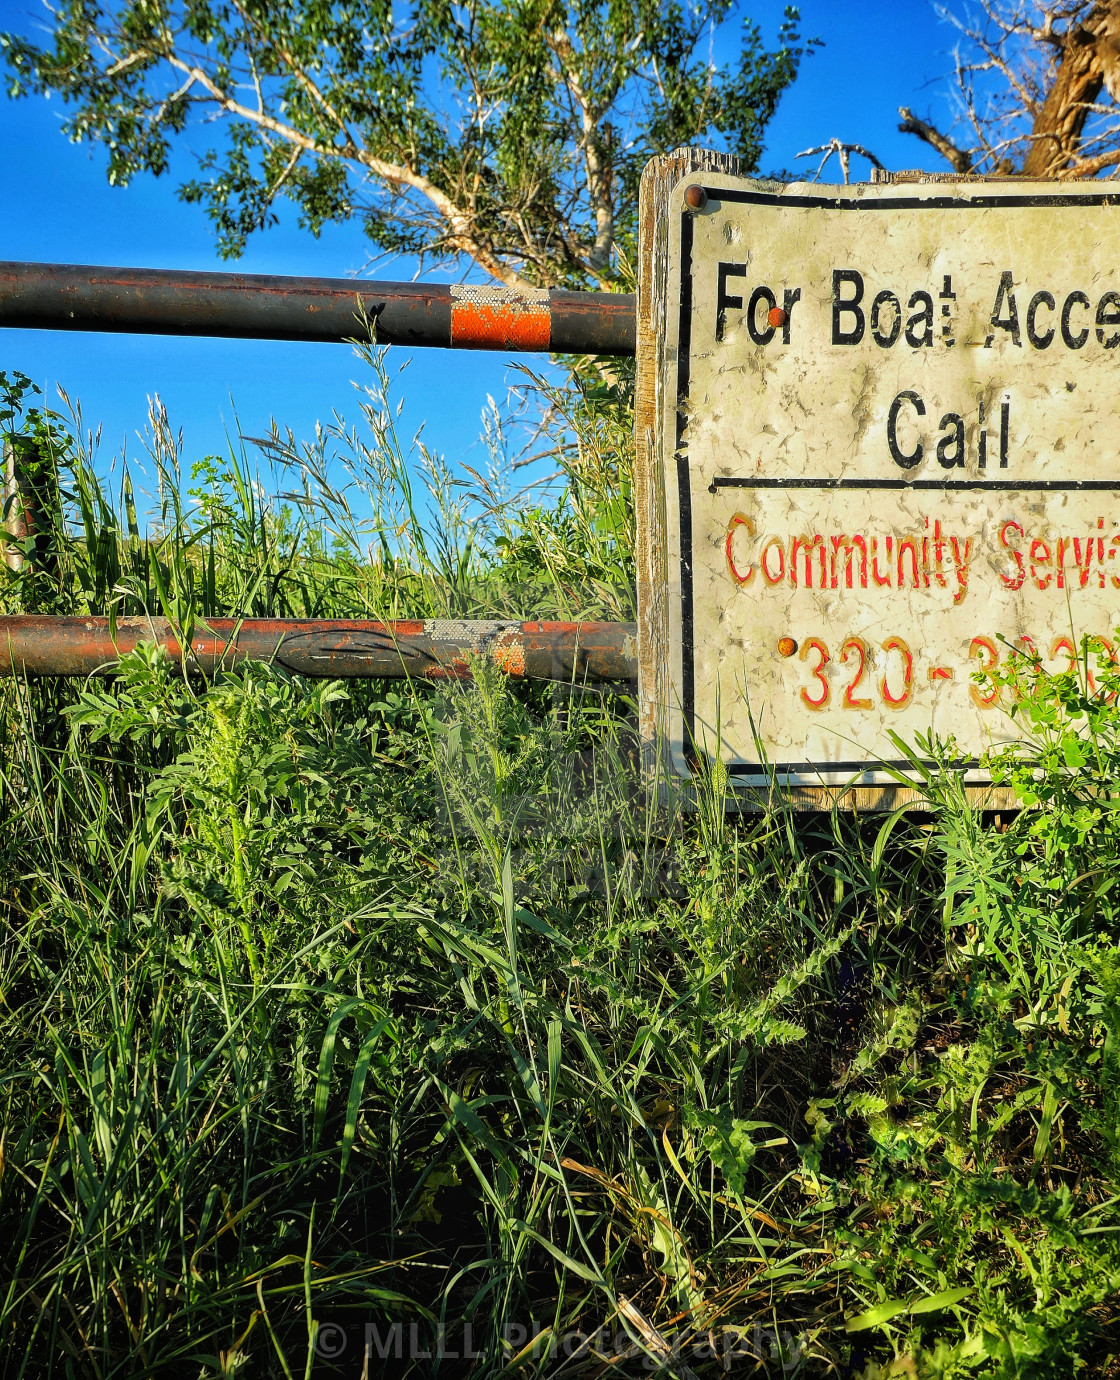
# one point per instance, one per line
(508, 132)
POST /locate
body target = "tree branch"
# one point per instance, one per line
(1089, 167)
(461, 238)
(595, 154)
(960, 160)
(1061, 117)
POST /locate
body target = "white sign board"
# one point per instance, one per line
(888, 436)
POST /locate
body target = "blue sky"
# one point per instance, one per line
(58, 207)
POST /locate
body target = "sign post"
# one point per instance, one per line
(879, 446)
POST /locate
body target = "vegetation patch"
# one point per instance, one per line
(385, 1028)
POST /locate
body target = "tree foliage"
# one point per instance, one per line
(508, 132)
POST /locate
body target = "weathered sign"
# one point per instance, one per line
(882, 445)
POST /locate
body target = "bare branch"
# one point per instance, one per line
(1028, 84)
(960, 160)
(843, 152)
(835, 146)
(1090, 167)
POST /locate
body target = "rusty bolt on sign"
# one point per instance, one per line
(695, 197)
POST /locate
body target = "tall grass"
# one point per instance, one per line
(390, 1028)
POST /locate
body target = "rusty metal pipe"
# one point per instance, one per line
(426, 649)
(69, 297)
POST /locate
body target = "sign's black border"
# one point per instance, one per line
(684, 478)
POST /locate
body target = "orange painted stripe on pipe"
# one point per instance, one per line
(508, 654)
(505, 325)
